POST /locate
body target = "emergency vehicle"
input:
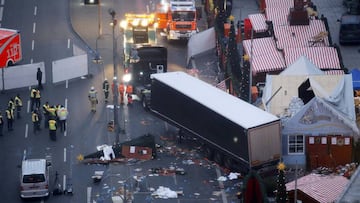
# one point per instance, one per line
(177, 18)
(10, 47)
(138, 29)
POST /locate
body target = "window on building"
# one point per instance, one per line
(296, 144)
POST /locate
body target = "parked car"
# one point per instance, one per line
(349, 29)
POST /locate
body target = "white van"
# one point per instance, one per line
(34, 179)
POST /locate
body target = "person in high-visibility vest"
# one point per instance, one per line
(93, 99)
(45, 108)
(52, 128)
(10, 118)
(35, 120)
(121, 92)
(106, 89)
(18, 105)
(32, 98)
(37, 99)
(62, 114)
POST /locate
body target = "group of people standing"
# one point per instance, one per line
(14, 105)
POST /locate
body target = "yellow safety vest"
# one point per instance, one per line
(33, 93)
(34, 117)
(46, 108)
(10, 114)
(51, 111)
(18, 101)
(37, 96)
(52, 125)
(11, 105)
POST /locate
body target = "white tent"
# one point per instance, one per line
(302, 66)
(200, 43)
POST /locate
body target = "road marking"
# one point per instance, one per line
(34, 27)
(88, 195)
(24, 154)
(64, 182)
(1, 12)
(64, 154)
(221, 184)
(67, 84)
(26, 130)
(32, 45)
(31, 60)
(28, 106)
(66, 102)
(68, 44)
(2, 2)
(35, 10)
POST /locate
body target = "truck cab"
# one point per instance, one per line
(349, 29)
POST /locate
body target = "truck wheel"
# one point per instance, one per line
(144, 103)
(208, 153)
(229, 163)
(218, 158)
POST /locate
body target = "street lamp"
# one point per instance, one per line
(115, 79)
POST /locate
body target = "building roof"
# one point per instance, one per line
(323, 188)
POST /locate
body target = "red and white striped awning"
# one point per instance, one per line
(321, 57)
(279, 3)
(278, 15)
(300, 35)
(264, 56)
(322, 188)
(258, 22)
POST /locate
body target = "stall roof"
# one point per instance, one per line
(322, 188)
(227, 105)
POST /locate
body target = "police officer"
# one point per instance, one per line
(93, 98)
(32, 98)
(52, 128)
(37, 99)
(10, 118)
(45, 108)
(36, 121)
(106, 89)
(18, 105)
(11, 104)
(62, 114)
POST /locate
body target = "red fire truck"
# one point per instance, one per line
(10, 47)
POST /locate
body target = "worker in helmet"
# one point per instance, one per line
(106, 89)
(93, 98)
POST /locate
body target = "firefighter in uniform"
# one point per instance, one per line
(93, 98)
(10, 118)
(36, 121)
(106, 89)
(52, 128)
(45, 108)
(18, 105)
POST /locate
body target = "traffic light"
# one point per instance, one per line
(91, 2)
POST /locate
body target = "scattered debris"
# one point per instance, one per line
(165, 193)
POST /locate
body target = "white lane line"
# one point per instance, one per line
(28, 106)
(66, 103)
(31, 60)
(24, 154)
(34, 27)
(35, 10)
(26, 130)
(64, 182)
(2, 2)
(64, 154)
(32, 45)
(67, 84)
(221, 184)
(88, 195)
(68, 44)
(1, 13)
